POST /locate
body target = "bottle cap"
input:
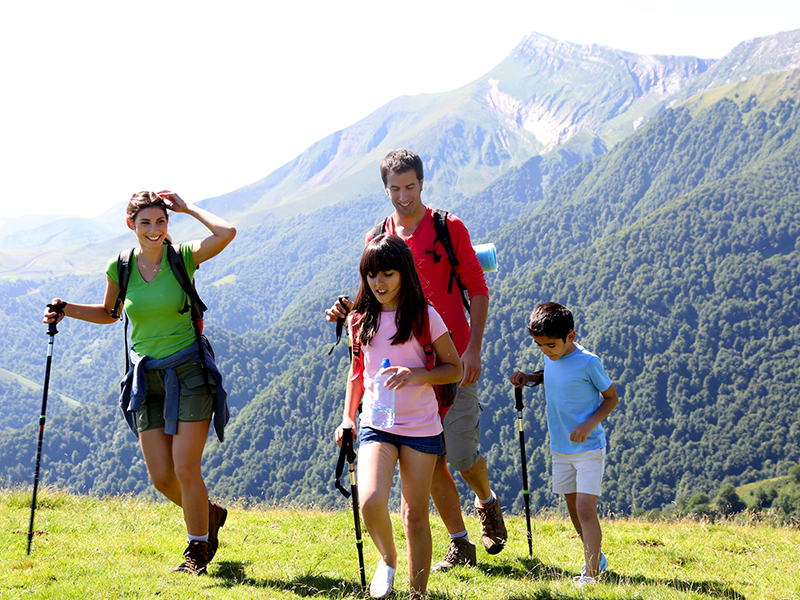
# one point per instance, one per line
(385, 363)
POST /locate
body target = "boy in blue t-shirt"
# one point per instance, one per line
(574, 382)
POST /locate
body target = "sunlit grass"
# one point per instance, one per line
(119, 547)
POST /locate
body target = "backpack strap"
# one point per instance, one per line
(123, 275)
(380, 228)
(443, 235)
(192, 302)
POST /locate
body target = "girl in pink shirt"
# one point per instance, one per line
(388, 310)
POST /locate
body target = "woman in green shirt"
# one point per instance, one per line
(165, 361)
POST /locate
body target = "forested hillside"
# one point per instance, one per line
(677, 251)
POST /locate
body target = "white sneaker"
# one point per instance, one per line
(584, 581)
(602, 567)
(382, 584)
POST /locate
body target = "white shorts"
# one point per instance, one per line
(578, 473)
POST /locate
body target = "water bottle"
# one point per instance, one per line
(382, 399)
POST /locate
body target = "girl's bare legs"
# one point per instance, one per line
(376, 462)
(173, 463)
(583, 512)
(416, 476)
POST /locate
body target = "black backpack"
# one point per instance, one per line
(192, 303)
(443, 237)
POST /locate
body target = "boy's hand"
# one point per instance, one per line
(518, 379)
(581, 432)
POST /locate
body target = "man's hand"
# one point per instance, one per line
(471, 361)
(339, 310)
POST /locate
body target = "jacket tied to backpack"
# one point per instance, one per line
(133, 387)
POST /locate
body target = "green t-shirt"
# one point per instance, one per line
(158, 329)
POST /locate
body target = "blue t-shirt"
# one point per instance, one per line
(572, 385)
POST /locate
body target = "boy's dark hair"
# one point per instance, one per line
(551, 320)
(400, 161)
(389, 253)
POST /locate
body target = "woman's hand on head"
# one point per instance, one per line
(173, 201)
(52, 316)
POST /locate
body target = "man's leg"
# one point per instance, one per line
(462, 432)
(445, 497)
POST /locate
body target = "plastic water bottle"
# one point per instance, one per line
(383, 399)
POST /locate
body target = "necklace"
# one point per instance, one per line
(148, 267)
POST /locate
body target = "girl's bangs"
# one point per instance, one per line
(380, 258)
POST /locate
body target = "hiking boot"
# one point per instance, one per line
(460, 552)
(216, 519)
(493, 529)
(195, 558)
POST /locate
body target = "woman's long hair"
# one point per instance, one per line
(389, 253)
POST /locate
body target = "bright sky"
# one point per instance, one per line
(102, 99)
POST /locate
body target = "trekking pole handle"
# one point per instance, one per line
(518, 398)
(59, 310)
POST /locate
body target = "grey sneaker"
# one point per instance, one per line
(195, 558)
(460, 552)
(493, 528)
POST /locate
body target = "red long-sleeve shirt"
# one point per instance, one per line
(435, 276)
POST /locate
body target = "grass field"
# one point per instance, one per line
(124, 548)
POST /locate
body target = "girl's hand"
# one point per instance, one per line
(519, 379)
(174, 202)
(51, 316)
(346, 424)
(399, 378)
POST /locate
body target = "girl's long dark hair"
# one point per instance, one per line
(389, 253)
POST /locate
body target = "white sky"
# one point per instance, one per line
(101, 99)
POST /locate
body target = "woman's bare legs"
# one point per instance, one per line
(173, 463)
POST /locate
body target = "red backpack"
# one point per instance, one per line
(445, 392)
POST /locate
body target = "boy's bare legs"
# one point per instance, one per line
(416, 474)
(583, 512)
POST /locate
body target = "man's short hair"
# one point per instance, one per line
(551, 320)
(400, 161)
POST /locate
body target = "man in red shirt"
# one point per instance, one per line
(402, 175)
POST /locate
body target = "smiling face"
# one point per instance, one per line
(385, 286)
(555, 348)
(150, 226)
(404, 190)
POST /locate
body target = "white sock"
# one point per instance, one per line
(486, 502)
(197, 538)
(461, 534)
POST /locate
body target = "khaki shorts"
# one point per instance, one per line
(462, 429)
(196, 403)
(578, 473)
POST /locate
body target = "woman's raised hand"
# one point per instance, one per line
(173, 201)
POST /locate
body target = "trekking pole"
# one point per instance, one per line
(51, 331)
(349, 453)
(525, 494)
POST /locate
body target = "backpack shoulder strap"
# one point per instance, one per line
(443, 235)
(123, 275)
(380, 228)
(178, 267)
(423, 335)
(358, 357)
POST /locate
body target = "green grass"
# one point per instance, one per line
(119, 547)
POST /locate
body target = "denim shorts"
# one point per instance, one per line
(427, 445)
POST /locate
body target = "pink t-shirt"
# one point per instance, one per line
(416, 409)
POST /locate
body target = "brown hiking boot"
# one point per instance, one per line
(460, 552)
(493, 528)
(216, 519)
(195, 558)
